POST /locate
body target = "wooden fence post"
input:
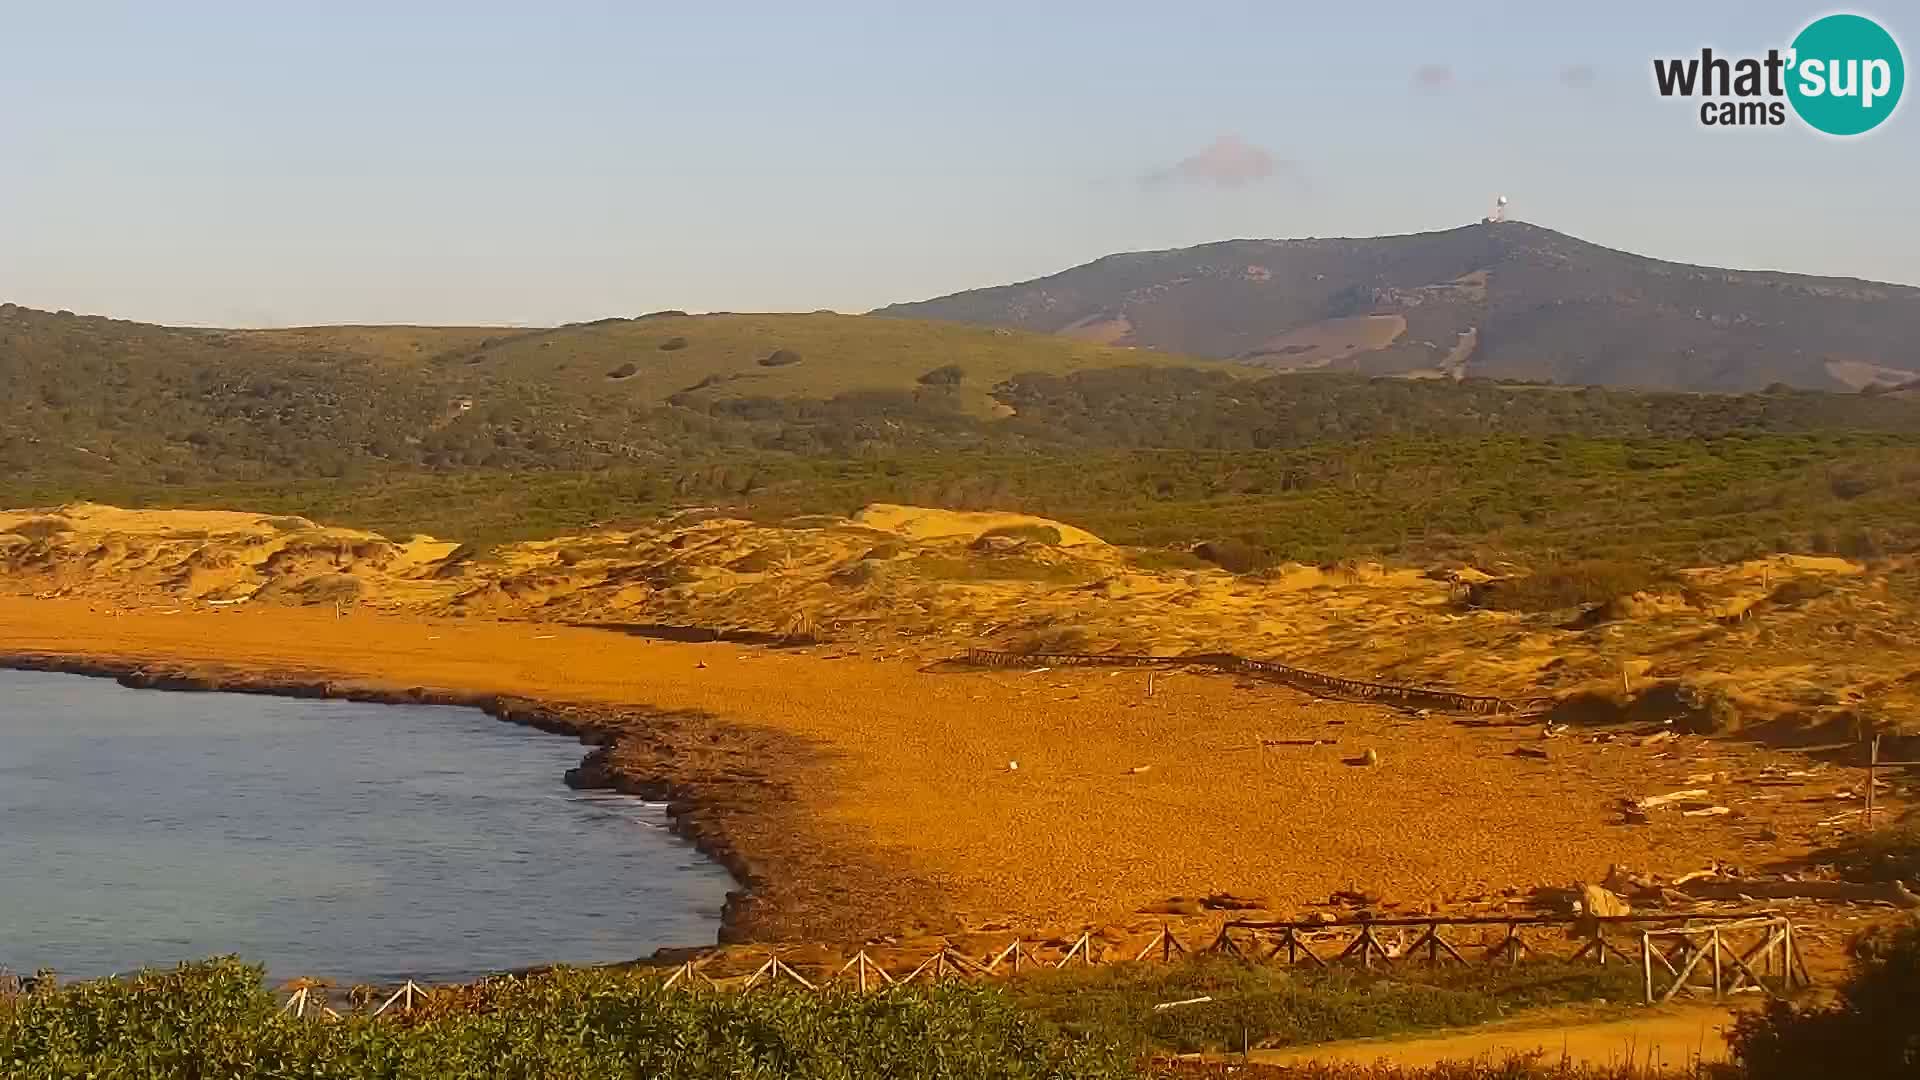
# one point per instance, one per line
(1014, 952)
(1646, 961)
(684, 976)
(1873, 770)
(1225, 945)
(404, 996)
(1685, 972)
(1717, 984)
(861, 964)
(1083, 948)
(774, 969)
(1168, 946)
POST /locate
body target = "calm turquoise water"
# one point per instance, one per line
(345, 841)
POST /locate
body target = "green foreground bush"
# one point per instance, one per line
(1871, 1032)
(1271, 1007)
(215, 1019)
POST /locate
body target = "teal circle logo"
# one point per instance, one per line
(1846, 75)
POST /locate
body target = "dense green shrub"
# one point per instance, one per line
(1798, 591)
(1031, 532)
(1871, 1032)
(1685, 706)
(1863, 543)
(1015, 566)
(1057, 639)
(1565, 585)
(944, 375)
(215, 1020)
(1886, 854)
(1234, 555)
(1267, 1006)
(41, 527)
(1480, 501)
(1160, 559)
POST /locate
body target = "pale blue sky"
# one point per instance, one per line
(267, 164)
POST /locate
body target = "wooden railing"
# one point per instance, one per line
(1717, 955)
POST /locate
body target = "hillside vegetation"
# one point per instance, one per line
(102, 397)
(491, 435)
(1675, 500)
(1503, 300)
(216, 1019)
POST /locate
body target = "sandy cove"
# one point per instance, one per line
(855, 795)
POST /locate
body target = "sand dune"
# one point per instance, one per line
(942, 581)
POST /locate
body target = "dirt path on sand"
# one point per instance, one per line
(866, 795)
(1670, 1038)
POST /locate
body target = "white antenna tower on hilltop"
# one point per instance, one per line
(1499, 210)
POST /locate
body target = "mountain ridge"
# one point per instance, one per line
(1501, 299)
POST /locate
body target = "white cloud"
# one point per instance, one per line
(1227, 162)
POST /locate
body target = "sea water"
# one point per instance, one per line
(351, 842)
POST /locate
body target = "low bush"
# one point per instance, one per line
(1565, 585)
(1010, 567)
(624, 371)
(673, 344)
(1870, 1032)
(1864, 543)
(1891, 853)
(1271, 1007)
(754, 562)
(857, 574)
(214, 1019)
(1163, 559)
(1686, 707)
(944, 375)
(1850, 483)
(1798, 591)
(1234, 556)
(1056, 639)
(41, 527)
(780, 358)
(1032, 532)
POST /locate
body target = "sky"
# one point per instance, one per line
(249, 164)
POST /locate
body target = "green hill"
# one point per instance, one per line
(102, 396)
(1502, 300)
(695, 359)
(484, 434)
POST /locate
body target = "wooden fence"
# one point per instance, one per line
(1312, 682)
(1681, 951)
(1715, 955)
(1718, 955)
(1741, 940)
